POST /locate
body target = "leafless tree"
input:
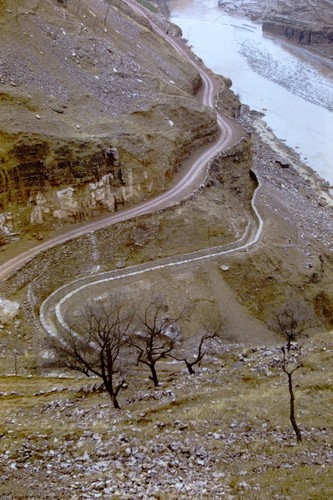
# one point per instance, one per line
(156, 336)
(96, 344)
(291, 361)
(292, 320)
(202, 349)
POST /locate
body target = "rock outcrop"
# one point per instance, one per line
(302, 34)
(8, 310)
(46, 179)
(304, 22)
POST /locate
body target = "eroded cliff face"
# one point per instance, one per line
(97, 111)
(216, 214)
(51, 180)
(303, 22)
(41, 177)
(306, 34)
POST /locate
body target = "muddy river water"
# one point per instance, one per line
(293, 88)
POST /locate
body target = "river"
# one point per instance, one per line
(292, 87)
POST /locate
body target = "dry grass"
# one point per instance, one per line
(237, 412)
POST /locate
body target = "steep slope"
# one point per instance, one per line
(96, 111)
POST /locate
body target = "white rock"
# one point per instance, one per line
(8, 310)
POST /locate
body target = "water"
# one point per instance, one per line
(293, 89)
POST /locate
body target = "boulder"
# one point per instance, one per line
(8, 311)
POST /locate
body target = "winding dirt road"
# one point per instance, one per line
(193, 177)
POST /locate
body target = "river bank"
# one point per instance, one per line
(294, 254)
(287, 157)
(287, 84)
(277, 159)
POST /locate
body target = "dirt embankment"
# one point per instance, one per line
(294, 254)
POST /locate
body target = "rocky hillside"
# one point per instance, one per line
(96, 111)
(304, 22)
(221, 433)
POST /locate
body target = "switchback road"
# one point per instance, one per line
(54, 309)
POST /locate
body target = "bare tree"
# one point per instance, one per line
(291, 361)
(96, 344)
(156, 336)
(202, 349)
(292, 320)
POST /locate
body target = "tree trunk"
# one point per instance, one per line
(154, 374)
(114, 401)
(190, 368)
(112, 394)
(292, 410)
